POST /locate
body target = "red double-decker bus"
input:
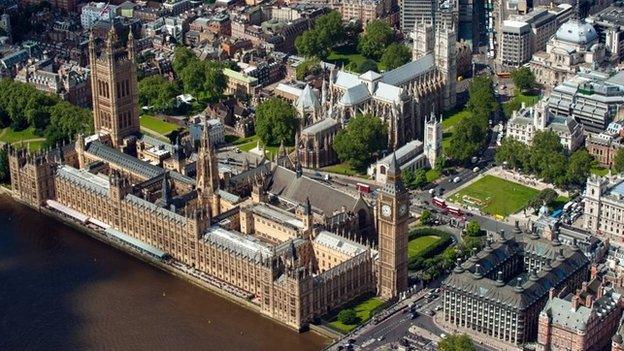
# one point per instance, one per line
(438, 202)
(455, 211)
(363, 188)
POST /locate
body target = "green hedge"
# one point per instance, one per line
(416, 262)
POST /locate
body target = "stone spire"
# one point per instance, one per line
(207, 164)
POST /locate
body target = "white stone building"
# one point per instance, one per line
(96, 11)
(527, 121)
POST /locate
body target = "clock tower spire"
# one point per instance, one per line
(392, 216)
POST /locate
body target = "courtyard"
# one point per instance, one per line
(417, 246)
(495, 196)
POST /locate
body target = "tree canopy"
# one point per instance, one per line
(276, 122)
(414, 179)
(67, 120)
(546, 197)
(364, 136)
(308, 66)
(202, 79)
(318, 41)
(456, 342)
(23, 106)
(377, 36)
(395, 55)
(618, 161)
(468, 137)
(473, 229)
(482, 100)
(547, 158)
(363, 67)
(347, 316)
(158, 92)
(523, 78)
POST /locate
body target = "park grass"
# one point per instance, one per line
(345, 56)
(448, 124)
(432, 175)
(417, 246)
(497, 196)
(528, 99)
(344, 169)
(35, 145)
(599, 171)
(157, 125)
(11, 136)
(364, 311)
(248, 143)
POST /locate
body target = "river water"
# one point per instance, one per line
(62, 290)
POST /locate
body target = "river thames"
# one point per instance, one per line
(62, 290)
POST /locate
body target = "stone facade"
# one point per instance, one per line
(114, 87)
(500, 291)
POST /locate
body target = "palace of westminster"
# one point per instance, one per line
(296, 247)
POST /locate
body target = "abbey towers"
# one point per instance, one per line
(439, 39)
(115, 88)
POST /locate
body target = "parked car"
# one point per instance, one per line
(456, 180)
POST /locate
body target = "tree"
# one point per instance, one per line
(523, 78)
(307, 67)
(618, 161)
(546, 197)
(157, 92)
(473, 229)
(579, 167)
(512, 151)
(456, 342)
(414, 179)
(425, 216)
(67, 120)
(367, 65)
(544, 146)
(318, 41)
(308, 44)
(377, 36)
(364, 136)
(276, 122)
(348, 317)
(5, 175)
(466, 140)
(202, 79)
(395, 55)
(352, 32)
(182, 57)
(482, 100)
(329, 29)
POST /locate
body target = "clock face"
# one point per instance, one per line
(403, 209)
(386, 211)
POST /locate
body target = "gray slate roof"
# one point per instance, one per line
(285, 184)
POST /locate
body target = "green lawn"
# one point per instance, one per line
(363, 309)
(495, 196)
(418, 245)
(599, 171)
(344, 169)
(448, 123)
(451, 119)
(433, 175)
(342, 56)
(246, 144)
(157, 125)
(10, 136)
(529, 100)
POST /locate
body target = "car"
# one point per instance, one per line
(431, 312)
(475, 170)
(380, 338)
(414, 315)
(438, 307)
(351, 341)
(456, 180)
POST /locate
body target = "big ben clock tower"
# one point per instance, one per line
(392, 215)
